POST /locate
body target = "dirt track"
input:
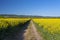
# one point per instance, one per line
(29, 32)
(34, 30)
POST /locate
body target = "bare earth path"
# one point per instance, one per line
(29, 32)
(37, 36)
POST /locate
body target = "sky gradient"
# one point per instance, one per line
(30, 7)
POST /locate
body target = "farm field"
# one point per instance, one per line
(29, 29)
(48, 28)
(29, 19)
(10, 26)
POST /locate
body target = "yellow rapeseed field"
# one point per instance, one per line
(51, 25)
(5, 22)
(11, 26)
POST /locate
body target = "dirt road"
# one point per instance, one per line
(34, 30)
(29, 32)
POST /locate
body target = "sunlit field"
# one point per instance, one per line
(5, 22)
(49, 28)
(9, 26)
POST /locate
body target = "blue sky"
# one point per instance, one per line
(30, 7)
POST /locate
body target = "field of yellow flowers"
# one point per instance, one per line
(5, 22)
(10, 26)
(50, 28)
